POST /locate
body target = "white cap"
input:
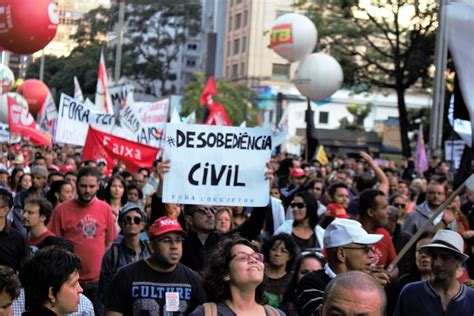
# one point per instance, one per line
(346, 231)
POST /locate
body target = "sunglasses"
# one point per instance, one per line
(207, 210)
(399, 205)
(298, 205)
(132, 220)
(245, 257)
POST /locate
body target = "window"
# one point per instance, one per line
(228, 48)
(192, 46)
(227, 71)
(230, 24)
(246, 13)
(191, 62)
(244, 44)
(235, 71)
(323, 117)
(281, 71)
(242, 69)
(238, 20)
(236, 46)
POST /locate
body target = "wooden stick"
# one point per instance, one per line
(425, 226)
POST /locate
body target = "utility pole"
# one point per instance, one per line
(118, 51)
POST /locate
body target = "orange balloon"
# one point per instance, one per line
(35, 92)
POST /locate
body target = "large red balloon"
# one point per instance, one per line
(27, 26)
(35, 92)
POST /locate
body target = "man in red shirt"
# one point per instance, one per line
(36, 215)
(373, 215)
(88, 223)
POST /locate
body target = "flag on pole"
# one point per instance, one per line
(191, 118)
(218, 115)
(421, 162)
(103, 101)
(321, 155)
(78, 91)
(209, 91)
(175, 118)
(312, 141)
(48, 115)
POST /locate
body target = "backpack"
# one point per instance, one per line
(210, 309)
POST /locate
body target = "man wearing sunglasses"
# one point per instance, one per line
(131, 248)
(349, 248)
(158, 285)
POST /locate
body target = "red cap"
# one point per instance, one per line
(297, 172)
(65, 168)
(336, 211)
(164, 225)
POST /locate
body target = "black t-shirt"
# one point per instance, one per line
(13, 248)
(310, 291)
(137, 289)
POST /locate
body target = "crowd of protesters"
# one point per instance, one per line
(85, 238)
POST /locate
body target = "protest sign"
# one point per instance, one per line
(74, 119)
(115, 149)
(23, 123)
(147, 120)
(216, 165)
(119, 94)
(4, 133)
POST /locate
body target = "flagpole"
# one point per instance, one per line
(307, 129)
(118, 51)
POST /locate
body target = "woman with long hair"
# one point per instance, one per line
(234, 281)
(116, 194)
(25, 182)
(280, 252)
(304, 226)
(14, 180)
(59, 192)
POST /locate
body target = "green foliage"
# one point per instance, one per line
(235, 98)
(389, 45)
(360, 113)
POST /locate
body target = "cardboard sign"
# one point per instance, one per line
(215, 165)
(115, 149)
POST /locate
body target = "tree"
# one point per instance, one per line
(237, 100)
(360, 112)
(387, 44)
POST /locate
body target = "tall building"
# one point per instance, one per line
(247, 58)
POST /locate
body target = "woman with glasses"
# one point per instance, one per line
(309, 261)
(280, 252)
(304, 226)
(234, 282)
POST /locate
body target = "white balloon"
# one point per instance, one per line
(6, 78)
(293, 36)
(318, 76)
(4, 105)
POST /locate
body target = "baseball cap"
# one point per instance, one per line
(336, 210)
(297, 172)
(164, 225)
(101, 161)
(448, 239)
(345, 231)
(128, 207)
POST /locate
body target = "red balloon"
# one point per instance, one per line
(27, 26)
(35, 92)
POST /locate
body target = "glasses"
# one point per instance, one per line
(132, 220)
(399, 205)
(206, 210)
(169, 240)
(366, 248)
(245, 257)
(298, 205)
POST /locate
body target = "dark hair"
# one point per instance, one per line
(18, 188)
(72, 173)
(311, 184)
(392, 198)
(311, 208)
(56, 187)
(333, 188)
(59, 242)
(13, 184)
(125, 174)
(108, 195)
(48, 268)
(54, 173)
(216, 288)
(146, 169)
(9, 282)
(290, 245)
(133, 186)
(45, 207)
(6, 198)
(88, 171)
(367, 200)
(364, 181)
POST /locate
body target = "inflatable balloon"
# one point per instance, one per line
(293, 36)
(4, 105)
(318, 76)
(6, 78)
(27, 26)
(35, 92)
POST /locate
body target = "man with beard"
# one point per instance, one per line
(158, 285)
(89, 224)
(36, 216)
(442, 294)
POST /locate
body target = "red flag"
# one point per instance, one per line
(103, 101)
(218, 115)
(23, 123)
(209, 91)
(114, 149)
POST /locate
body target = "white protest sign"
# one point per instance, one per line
(119, 94)
(147, 120)
(74, 119)
(453, 150)
(216, 165)
(4, 133)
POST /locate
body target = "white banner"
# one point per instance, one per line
(74, 119)
(216, 165)
(119, 94)
(453, 150)
(147, 120)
